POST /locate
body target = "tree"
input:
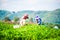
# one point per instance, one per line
(7, 19)
(16, 19)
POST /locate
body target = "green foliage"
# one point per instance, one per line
(28, 32)
(16, 19)
(7, 19)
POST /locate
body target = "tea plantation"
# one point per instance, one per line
(28, 32)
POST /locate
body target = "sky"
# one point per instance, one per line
(18, 5)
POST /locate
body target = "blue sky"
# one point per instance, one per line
(18, 5)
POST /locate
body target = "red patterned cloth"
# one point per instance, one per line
(25, 16)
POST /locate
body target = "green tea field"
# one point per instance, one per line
(28, 32)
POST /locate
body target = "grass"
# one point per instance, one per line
(28, 32)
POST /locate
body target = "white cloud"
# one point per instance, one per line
(30, 4)
(31, 1)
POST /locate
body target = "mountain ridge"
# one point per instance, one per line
(46, 16)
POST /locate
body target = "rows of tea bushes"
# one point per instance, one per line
(28, 32)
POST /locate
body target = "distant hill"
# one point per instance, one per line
(52, 17)
(3, 14)
(46, 16)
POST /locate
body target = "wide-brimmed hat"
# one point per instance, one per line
(37, 17)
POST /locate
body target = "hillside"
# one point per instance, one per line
(52, 17)
(46, 16)
(3, 14)
(19, 14)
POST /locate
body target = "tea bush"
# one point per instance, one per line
(28, 32)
